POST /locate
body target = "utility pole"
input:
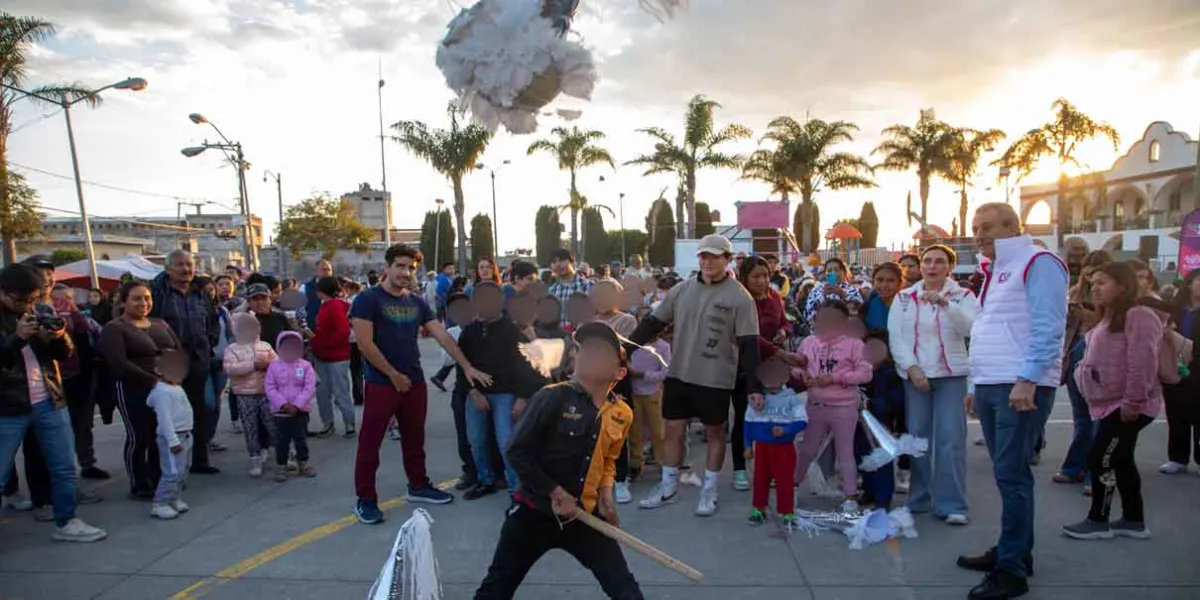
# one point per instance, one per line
(387, 200)
(279, 247)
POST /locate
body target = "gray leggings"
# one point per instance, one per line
(257, 424)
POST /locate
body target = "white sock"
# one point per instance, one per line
(710, 479)
(670, 479)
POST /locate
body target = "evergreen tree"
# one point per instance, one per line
(868, 225)
(704, 220)
(660, 224)
(548, 231)
(443, 252)
(595, 241)
(482, 245)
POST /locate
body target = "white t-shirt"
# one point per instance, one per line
(33, 375)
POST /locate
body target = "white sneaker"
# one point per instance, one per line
(903, 479)
(256, 466)
(707, 506)
(1172, 468)
(77, 531)
(393, 433)
(17, 502)
(957, 519)
(849, 506)
(236, 428)
(622, 493)
(741, 483)
(659, 497)
(180, 506)
(163, 511)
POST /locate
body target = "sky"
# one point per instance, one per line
(295, 81)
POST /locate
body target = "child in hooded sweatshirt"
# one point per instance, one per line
(246, 362)
(771, 429)
(290, 384)
(835, 365)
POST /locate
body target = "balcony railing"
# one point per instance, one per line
(1104, 224)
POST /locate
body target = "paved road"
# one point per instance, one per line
(250, 538)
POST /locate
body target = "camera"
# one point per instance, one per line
(48, 319)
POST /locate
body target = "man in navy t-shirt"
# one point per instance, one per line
(387, 320)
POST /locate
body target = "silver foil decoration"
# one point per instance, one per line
(862, 529)
(886, 446)
(411, 571)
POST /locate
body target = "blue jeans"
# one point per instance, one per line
(1011, 437)
(212, 399)
(501, 406)
(53, 433)
(939, 479)
(1075, 462)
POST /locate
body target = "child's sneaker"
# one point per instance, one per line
(741, 483)
(789, 522)
(163, 511)
(621, 493)
(180, 506)
(756, 517)
(292, 463)
(256, 466)
(350, 433)
(903, 481)
(304, 470)
(281, 475)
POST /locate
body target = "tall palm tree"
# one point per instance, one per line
(453, 152)
(924, 147)
(1058, 139)
(803, 161)
(966, 147)
(697, 150)
(574, 149)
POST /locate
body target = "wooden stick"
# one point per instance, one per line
(627, 539)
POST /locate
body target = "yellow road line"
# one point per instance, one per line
(204, 586)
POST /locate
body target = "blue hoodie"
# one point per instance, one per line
(783, 408)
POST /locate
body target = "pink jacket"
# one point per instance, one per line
(841, 358)
(244, 379)
(291, 383)
(1121, 367)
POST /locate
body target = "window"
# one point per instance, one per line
(1118, 214)
(1155, 151)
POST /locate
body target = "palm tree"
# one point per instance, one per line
(966, 147)
(803, 161)
(697, 150)
(453, 152)
(924, 147)
(1058, 139)
(574, 149)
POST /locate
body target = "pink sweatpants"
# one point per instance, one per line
(839, 421)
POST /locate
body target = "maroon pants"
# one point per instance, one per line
(382, 402)
(778, 462)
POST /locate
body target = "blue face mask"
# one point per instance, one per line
(831, 278)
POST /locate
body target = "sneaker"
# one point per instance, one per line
(979, 441)
(465, 482)
(1172, 468)
(756, 518)
(957, 519)
(393, 433)
(304, 469)
(203, 470)
(77, 531)
(621, 493)
(1064, 478)
(789, 522)
(849, 506)
(1088, 530)
(292, 464)
(658, 497)
(281, 475)
(216, 447)
(141, 495)
(163, 511)
(43, 514)
(368, 512)
(479, 491)
(322, 433)
(350, 433)
(86, 497)
(903, 480)
(236, 428)
(740, 482)
(94, 472)
(428, 493)
(180, 506)
(17, 502)
(707, 506)
(1130, 529)
(256, 466)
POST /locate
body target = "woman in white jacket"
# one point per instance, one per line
(927, 333)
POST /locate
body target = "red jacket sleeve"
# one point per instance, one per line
(332, 340)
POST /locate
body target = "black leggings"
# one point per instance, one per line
(1183, 424)
(1111, 462)
(141, 449)
(738, 445)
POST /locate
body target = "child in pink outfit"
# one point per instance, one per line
(835, 365)
(246, 361)
(291, 383)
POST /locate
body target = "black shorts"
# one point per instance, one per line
(683, 401)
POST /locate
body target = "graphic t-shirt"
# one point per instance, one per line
(397, 320)
(709, 318)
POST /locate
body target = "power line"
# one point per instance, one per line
(184, 229)
(106, 186)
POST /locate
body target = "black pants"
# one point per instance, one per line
(81, 406)
(141, 449)
(288, 431)
(356, 374)
(624, 390)
(1183, 424)
(1111, 463)
(106, 399)
(529, 533)
(738, 443)
(37, 473)
(899, 426)
(195, 385)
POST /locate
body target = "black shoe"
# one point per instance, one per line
(465, 482)
(203, 470)
(94, 473)
(999, 585)
(479, 491)
(438, 383)
(986, 562)
(141, 495)
(501, 483)
(85, 497)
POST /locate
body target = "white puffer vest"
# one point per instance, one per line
(1000, 335)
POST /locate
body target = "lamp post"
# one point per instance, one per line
(495, 215)
(279, 191)
(621, 208)
(133, 84)
(239, 161)
(437, 234)
(387, 200)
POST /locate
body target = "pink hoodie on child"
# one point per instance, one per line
(290, 382)
(842, 359)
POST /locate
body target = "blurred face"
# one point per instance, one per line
(631, 297)
(246, 331)
(636, 262)
(225, 288)
(521, 283)
(291, 349)
(488, 301)
(604, 297)
(597, 361)
(886, 284)
(94, 297)
(758, 281)
(835, 272)
(912, 270)
(988, 226)
(60, 294)
(400, 272)
(856, 328)
(580, 311)
(182, 268)
(876, 351)
(713, 266)
(773, 374)
(830, 322)
(536, 288)
(484, 271)
(935, 266)
(138, 303)
(1105, 289)
(260, 304)
(324, 269)
(523, 311)
(461, 312)
(173, 368)
(448, 269)
(548, 310)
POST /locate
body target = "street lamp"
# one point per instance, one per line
(437, 234)
(621, 209)
(132, 84)
(239, 160)
(279, 190)
(495, 215)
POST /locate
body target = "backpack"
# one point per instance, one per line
(1174, 356)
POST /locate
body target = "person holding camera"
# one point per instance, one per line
(31, 396)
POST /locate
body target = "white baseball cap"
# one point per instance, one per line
(715, 244)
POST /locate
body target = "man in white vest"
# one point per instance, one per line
(1016, 363)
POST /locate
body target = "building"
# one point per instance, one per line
(106, 246)
(1135, 208)
(370, 207)
(346, 263)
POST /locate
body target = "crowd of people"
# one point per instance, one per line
(737, 347)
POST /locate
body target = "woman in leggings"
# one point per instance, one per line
(129, 344)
